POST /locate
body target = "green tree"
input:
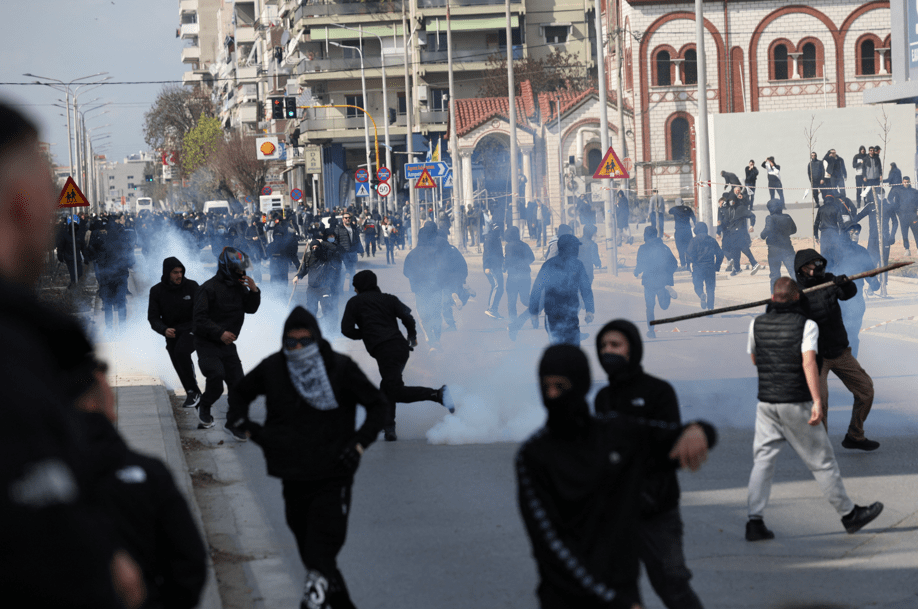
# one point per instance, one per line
(173, 115)
(200, 144)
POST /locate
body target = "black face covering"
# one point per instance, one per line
(568, 414)
(612, 362)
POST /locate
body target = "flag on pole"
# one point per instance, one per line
(427, 159)
(436, 153)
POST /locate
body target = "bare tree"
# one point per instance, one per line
(236, 163)
(885, 128)
(558, 71)
(810, 135)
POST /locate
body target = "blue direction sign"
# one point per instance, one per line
(383, 174)
(362, 189)
(362, 175)
(436, 169)
(448, 180)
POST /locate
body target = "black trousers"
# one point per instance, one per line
(564, 327)
(219, 364)
(180, 349)
(430, 312)
(391, 358)
(651, 296)
(660, 549)
(683, 237)
(518, 287)
(316, 512)
(704, 280)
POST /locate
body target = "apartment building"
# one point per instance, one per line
(198, 28)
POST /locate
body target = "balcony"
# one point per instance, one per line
(191, 54)
(330, 124)
(247, 73)
(194, 77)
(455, 3)
(464, 56)
(346, 8)
(247, 94)
(187, 7)
(190, 30)
(245, 34)
(248, 114)
(434, 117)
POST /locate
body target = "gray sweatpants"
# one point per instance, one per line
(776, 424)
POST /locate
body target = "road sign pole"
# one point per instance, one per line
(76, 269)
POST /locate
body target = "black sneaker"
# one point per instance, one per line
(191, 399)
(864, 444)
(236, 432)
(860, 516)
(757, 531)
(445, 398)
(206, 421)
(389, 435)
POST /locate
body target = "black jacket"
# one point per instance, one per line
(752, 175)
(816, 172)
(421, 264)
(172, 306)
(282, 252)
(373, 317)
(704, 252)
(656, 262)
(493, 253)
(322, 264)
(518, 256)
(778, 228)
(822, 305)
(778, 336)
(113, 253)
(220, 305)
(731, 180)
(301, 442)
(564, 281)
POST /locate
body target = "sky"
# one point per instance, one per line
(132, 41)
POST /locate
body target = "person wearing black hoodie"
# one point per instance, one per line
(373, 317)
(632, 392)
(220, 306)
(705, 257)
(517, 258)
(309, 442)
(778, 229)
(657, 264)
(171, 313)
(564, 281)
(421, 269)
(822, 307)
(684, 219)
(580, 481)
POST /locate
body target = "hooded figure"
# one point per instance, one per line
(634, 393)
(684, 218)
(580, 481)
(552, 251)
(171, 313)
(220, 306)
(778, 229)
(518, 257)
(655, 261)
(323, 264)
(854, 259)
(113, 253)
(310, 443)
(563, 281)
(492, 261)
(421, 270)
(705, 257)
(822, 306)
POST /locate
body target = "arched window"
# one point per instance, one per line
(779, 62)
(594, 158)
(664, 66)
(690, 67)
(808, 63)
(867, 61)
(680, 144)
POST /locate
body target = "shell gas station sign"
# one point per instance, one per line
(267, 148)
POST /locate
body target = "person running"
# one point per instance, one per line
(657, 264)
(372, 316)
(220, 307)
(171, 313)
(563, 281)
(309, 442)
(492, 262)
(705, 257)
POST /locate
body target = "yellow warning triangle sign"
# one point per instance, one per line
(611, 167)
(72, 196)
(425, 181)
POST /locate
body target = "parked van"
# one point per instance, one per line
(144, 204)
(274, 202)
(220, 207)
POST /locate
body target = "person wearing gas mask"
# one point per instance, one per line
(632, 392)
(822, 306)
(854, 259)
(220, 306)
(579, 486)
(310, 443)
(322, 262)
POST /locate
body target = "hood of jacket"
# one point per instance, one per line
(635, 346)
(301, 318)
(512, 234)
(168, 264)
(568, 245)
(800, 259)
(775, 206)
(701, 228)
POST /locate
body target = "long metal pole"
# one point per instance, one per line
(702, 162)
(511, 98)
(409, 137)
(366, 122)
(604, 132)
(458, 211)
(561, 185)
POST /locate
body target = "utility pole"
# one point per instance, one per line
(702, 162)
(511, 98)
(409, 138)
(458, 208)
(604, 134)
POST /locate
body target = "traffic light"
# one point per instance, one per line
(277, 108)
(289, 107)
(148, 177)
(374, 184)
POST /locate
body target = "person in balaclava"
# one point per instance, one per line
(310, 443)
(633, 392)
(777, 232)
(655, 261)
(171, 313)
(372, 316)
(579, 484)
(323, 265)
(220, 306)
(282, 253)
(854, 259)
(822, 306)
(704, 257)
(563, 281)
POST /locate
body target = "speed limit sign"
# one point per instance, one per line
(383, 189)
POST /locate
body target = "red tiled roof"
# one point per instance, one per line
(474, 112)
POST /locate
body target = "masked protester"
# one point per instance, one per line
(579, 483)
(655, 261)
(563, 281)
(310, 443)
(855, 259)
(220, 307)
(171, 313)
(322, 264)
(822, 306)
(704, 257)
(634, 393)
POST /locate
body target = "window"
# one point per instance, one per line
(402, 104)
(436, 41)
(555, 34)
(690, 68)
(353, 100)
(350, 53)
(594, 158)
(131, 186)
(502, 38)
(680, 142)
(868, 52)
(808, 61)
(110, 178)
(130, 177)
(439, 100)
(664, 78)
(779, 60)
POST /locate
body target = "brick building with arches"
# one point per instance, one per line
(761, 55)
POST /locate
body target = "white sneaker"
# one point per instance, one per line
(755, 268)
(672, 292)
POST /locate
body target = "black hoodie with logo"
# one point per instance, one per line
(172, 306)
